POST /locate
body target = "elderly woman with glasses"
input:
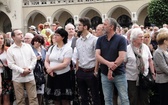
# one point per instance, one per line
(138, 59)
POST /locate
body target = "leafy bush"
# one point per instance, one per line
(158, 12)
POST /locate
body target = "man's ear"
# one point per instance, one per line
(85, 27)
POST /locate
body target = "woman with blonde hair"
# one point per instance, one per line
(147, 38)
(147, 41)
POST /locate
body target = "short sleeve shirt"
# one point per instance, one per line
(131, 66)
(110, 51)
(57, 55)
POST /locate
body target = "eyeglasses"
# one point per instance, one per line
(38, 41)
(146, 37)
(26, 38)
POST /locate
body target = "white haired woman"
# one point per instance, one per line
(138, 58)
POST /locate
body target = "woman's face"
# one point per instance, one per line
(58, 38)
(166, 43)
(37, 44)
(54, 39)
(139, 39)
(1, 40)
(146, 39)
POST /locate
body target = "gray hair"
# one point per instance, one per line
(135, 32)
(30, 35)
(69, 24)
(113, 22)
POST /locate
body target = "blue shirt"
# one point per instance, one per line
(110, 51)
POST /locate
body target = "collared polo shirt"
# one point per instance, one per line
(110, 51)
(57, 55)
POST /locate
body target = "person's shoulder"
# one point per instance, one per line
(102, 37)
(67, 47)
(145, 46)
(11, 47)
(26, 44)
(78, 39)
(157, 51)
(119, 36)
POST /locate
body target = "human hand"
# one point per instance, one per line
(109, 75)
(51, 74)
(38, 57)
(112, 65)
(25, 72)
(0, 91)
(49, 70)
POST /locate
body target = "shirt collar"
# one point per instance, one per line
(61, 47)
(87, 36)
(14, 45)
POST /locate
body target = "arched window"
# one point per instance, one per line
(124, 21)
(6, 23)
(96, 21)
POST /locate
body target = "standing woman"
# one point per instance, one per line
(57, 63)
(161, 66)
(37, 45)
(147, 41)
(6, 86)
(138, 58)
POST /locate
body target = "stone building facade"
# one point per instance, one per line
(23, 13)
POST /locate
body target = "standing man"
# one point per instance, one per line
(110, 52)
(70, 28)
(21, 59)
(86, 62)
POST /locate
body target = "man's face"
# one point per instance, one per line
(18, 36)
(99, 31)
(53, 27)
(71, 30)
(80, 27)
(107, 26)
(27, 39)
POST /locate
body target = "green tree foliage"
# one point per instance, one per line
(158, 12)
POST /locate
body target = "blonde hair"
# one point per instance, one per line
(147, 35)
(161, 37)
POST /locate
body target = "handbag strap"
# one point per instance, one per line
(2, 62)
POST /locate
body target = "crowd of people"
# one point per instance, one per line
(76, 62)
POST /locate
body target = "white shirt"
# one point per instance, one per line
(19, 58)
(57, 55)
(131, 66)
(69, 42)
(86, 51)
